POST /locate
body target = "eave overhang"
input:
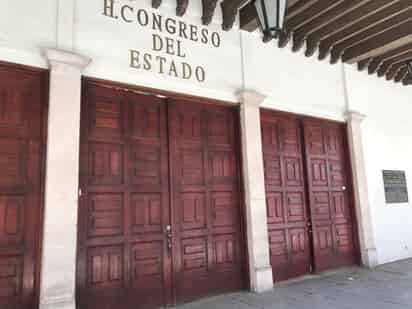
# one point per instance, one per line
(374, 34)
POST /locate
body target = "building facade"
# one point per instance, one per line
(149, 160)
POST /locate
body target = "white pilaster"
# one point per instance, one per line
(362, 206)
(261, 278)
(62, 173)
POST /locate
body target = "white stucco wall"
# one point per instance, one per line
(387, 136)
(291, 82)
(26, 27)
(108, 42)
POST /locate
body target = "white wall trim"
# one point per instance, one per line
(56, 58)
(360, 189)
(261, 278)
(58, 275)
(251, 97)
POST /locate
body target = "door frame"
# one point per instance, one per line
(166, 95)
(44, 75)
(348, 166)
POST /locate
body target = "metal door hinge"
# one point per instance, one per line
(80, 192)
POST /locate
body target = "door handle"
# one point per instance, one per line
(168, 231)
(309, 225)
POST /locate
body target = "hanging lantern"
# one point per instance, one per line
(271, 15)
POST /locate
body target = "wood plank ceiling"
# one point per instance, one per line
(375, 34)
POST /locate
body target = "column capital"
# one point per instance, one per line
(60, 59)
(355, 116)
(251, 97)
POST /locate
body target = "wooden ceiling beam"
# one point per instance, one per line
(327, 17)
(401, 74)
(181, 7)
(380, 43)
(379, 60)
(304, 16)
(383, 69)
(394, 70)
(292, 3)
(375, 34)
(406, 75)
(293, 10)
(208, 7)
(247, 16)
(361, 22)
(156, 3)
(362, 65)
(297, 6)
(345, 21)
(339, 49)
(312, 12)
(407, 80)
(229, 12)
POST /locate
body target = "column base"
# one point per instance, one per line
(61, 303)
(263, 280)
(370, 258)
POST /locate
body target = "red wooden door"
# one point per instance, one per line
(125, 249)
(22, 106)
(329, 191)
(287, 212)
(206, 205)
(123, 258)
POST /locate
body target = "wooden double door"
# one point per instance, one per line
(310, 212)
(22, 118)
(160, 212)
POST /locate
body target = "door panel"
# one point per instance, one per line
(329, 192)
(301, 234)
(123, 259)
(208, 251)
(22, 106)
(129, 144)
(287, 211)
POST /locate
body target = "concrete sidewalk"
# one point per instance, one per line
(386, 287)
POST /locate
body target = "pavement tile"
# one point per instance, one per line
(386, 287)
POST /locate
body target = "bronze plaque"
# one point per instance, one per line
(396, 190)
